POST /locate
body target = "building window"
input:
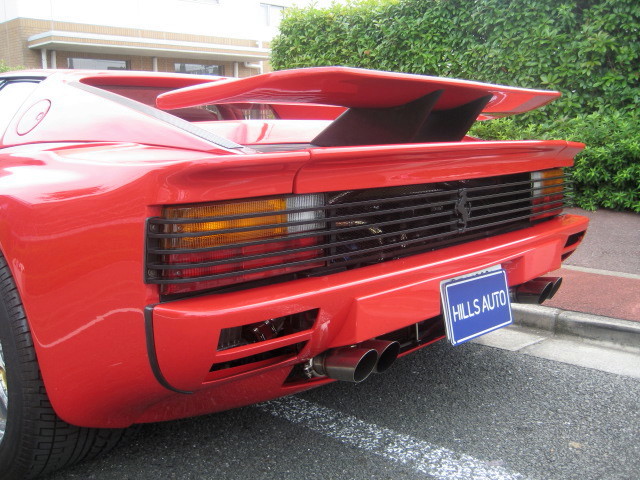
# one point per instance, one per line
(271, 14)
(97, 64)
(198, 69)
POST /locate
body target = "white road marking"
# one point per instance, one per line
(601, 272)
(440, 463)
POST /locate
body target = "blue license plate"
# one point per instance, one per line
(475, 304)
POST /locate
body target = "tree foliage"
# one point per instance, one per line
(587, 49)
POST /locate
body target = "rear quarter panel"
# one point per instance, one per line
(72, 230)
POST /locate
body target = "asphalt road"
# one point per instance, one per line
(445, 412)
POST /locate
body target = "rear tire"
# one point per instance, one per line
(35, 440)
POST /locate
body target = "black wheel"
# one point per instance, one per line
(33, 439)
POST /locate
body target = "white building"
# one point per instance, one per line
(226, 37)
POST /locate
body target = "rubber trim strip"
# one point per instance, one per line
(151, 351)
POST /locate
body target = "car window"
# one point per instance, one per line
(12, 95)
(211, 112)
(256, 111)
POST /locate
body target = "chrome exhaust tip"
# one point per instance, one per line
(556, 282)
(536, 291)
(387, 353)
(348, 364)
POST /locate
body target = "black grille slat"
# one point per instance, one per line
(280, 265)
(315, 260)
(504, 194)
(225, 218)
(283, 225)
(310, 209)
(287, 251)
(294, 236)
(295, 263)
(354, 228)
(515, 184)
(506, 212)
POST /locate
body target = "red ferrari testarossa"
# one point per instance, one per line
(179, 245)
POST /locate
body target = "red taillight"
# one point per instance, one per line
(548, 192)
(224, 243)
(240, 265)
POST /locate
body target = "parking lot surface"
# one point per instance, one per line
(466, 412)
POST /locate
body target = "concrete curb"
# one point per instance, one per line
(622, 333)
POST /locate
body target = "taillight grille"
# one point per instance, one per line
(190, 250)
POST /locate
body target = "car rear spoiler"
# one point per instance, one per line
(383, 107)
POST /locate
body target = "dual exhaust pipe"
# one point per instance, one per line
(536, 291)
(355, 363)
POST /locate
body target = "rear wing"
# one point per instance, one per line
(382, 107)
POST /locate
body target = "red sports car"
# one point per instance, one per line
(178, 245)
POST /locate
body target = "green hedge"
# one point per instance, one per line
(587, 49)
(607, 173)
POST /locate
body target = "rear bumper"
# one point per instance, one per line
(351, 306)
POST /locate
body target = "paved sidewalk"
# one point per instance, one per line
(594, 319)
(603, 276)
(612, 242)
(598, 293)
